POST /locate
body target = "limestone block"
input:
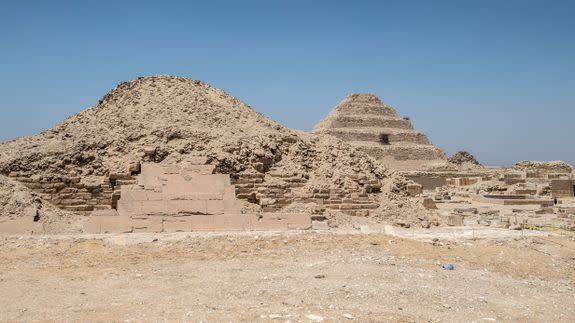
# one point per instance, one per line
(154, 207)
(270, 222)
(177, 224)
(102, 207)
(108, 224)
(202, 222)
(135, 195)
(149, 224)
(188, 206)
(154, 196)
(299, 221)
(104, 212)
(320, 225)
(93, 226)
(454, 220)
(200, 169)
(214, 207)
(33, 185)
(429, 204)
(414, 189)
(121, 176)
(232, 222)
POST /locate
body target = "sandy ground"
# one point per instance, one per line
(288, 277)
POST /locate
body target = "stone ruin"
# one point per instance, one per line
(183, 198)
(375, 128)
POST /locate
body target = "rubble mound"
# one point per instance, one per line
(375, 128)
(16, 201)
(551, 166)
(463, 157)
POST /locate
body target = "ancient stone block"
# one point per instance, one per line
(108, 224)
(149, 224)
(320, 225)
(270, 222)
(428, 203)
(177, 224)
(298, 221)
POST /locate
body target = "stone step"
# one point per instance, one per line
(405, 152)
(394, 136)
(363, 121)
(366, 109)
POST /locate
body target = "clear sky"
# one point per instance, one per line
(496, 78)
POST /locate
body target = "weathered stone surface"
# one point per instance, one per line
(20, 225)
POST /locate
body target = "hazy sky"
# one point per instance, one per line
(496, 78)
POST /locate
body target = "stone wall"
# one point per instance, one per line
(100, 224)
(463, 181)
(562, 188)
(283, 189)
(68, 193)
(272, 193)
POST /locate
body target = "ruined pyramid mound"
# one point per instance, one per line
(463, 157)
(375, 128)
(81, 163)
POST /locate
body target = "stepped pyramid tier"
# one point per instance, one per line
(375, 128)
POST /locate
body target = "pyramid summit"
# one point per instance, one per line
(364, 121)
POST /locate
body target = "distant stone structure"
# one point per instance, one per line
(462, 157)
(375, 128)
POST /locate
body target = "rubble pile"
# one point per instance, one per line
(463, 157)
(18, 201)
(542, 166)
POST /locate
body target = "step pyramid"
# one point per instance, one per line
(365, 122)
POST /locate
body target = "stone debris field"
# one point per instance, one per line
(171, 200)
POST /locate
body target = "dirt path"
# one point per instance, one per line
(286, 277)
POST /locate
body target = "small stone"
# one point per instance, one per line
(315, 318)
(348, 316)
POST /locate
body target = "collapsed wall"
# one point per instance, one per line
(23, 211)
(365, 122)
(82, 164)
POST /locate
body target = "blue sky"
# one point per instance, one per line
(496, 78)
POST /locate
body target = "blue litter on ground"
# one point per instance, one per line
(448, 267)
